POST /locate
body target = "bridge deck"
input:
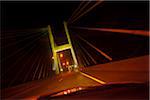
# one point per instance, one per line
(129, 70)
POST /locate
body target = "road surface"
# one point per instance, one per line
(40, 87)
(126, 71)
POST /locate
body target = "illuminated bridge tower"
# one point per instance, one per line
(57, 67)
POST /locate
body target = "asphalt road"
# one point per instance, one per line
(132, 70)
(47, 86)
(129, 70)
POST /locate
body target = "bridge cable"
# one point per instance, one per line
(100, 51)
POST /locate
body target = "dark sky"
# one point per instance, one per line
(35, 14)
(122, 14)
(129, 14)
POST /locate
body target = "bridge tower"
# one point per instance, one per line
(57, 67)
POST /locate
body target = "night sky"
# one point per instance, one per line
(39, 14)
(35, 14)
(25, 46)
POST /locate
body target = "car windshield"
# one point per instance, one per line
(64, 48)
(108, 91)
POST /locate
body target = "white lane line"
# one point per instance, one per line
(93, 78)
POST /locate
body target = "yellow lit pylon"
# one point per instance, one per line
(55, 49)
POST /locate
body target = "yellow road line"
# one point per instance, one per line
(93, 78)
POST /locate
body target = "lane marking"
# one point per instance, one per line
(93, 78)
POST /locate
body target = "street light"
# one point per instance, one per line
(61, 55)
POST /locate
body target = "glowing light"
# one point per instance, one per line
(65, 92)
(61, 69)
(67, 63)
(75, 66)
(73, 90)
(80, 88)
(63, 64)
(61, 55)
(68, 91)
(52, 57)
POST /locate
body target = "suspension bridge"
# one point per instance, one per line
(45, 60)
